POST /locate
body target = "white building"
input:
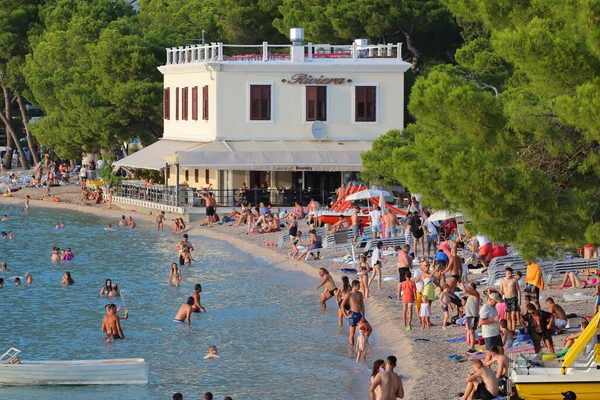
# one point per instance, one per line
(277, 116)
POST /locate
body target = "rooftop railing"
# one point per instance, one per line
(219, 52)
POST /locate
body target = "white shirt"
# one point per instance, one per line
(489, 330)
(482, 240)
(431, 228)
(375, 217)
(376, 256)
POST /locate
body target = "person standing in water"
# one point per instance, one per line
(174, 276)
(123, 221)
(160, 219)
(185, 311)
(329, 284)
(389, 382)
(131, 223)
(356, 312)
(197, 307)
(67, 280)
(111, 324)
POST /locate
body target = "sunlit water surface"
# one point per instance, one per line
(275, 341)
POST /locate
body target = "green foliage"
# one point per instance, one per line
(158, 177)
(106, 174)
(524, 165)
(379, 166)
(94, 75)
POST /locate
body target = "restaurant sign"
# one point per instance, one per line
(299, 168)
(305, 79)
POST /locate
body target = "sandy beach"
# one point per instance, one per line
(428, 373)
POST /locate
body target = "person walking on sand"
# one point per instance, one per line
(185, 311)
(329, 284)
(388, 381)
(356, 312)
(490, 327)
(509, 288)
(455, 269)
(409, 293)
(376, 264)
(404, 262)
(211, 204)
(534, 283)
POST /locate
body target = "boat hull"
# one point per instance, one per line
(552, 391)
(80, 372)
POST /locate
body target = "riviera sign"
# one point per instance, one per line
(305, 79)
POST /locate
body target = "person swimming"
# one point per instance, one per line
(17, 281)
(114, 291)
(68, 254)
(28, 278)
(67, 280)
(59, 225)
(106, 288)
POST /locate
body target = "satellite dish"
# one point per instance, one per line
(318, 130)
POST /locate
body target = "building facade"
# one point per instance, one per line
(274, 116)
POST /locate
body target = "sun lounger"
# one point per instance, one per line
(509, 350)
(368, 245)
(341, 242)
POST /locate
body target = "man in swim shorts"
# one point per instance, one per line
(197, 307)
(211, 204)
(329, 284)
(560, 316)
(111, 324)
(509, 288)
(185, 311)
(481, 382)
(356, 314)
(404, 262)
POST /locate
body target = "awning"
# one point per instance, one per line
(153, 156)
(275, 156)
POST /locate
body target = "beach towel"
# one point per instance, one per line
(517, 348)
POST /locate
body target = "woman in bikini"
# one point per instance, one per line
(339, 296)
(363, 275)
(106, 288)
(174, 276)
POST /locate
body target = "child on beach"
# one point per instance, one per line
(445, 302)
(295, 241)
(409, 293)
(425, 313)
(160, 219)
(26, 202)
(362, 345)
(186, 256)
(519, 277)
(508, 335)
(212, 353)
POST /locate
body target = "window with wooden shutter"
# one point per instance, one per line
(205, 103)
(167, 103)
(195, 104)
(196, 176)
(316, 103)
(260, 102)
(187, 175)
(365, 104)
(207, 176)
(184, 104)
(177, 104)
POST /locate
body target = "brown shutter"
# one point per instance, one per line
(207, 176)
(322, 103)
(195, 104)
(254, 102)
(311, 103)
(177, 104)
(167, 103)
(205, 103)
(359, 103)
(184, 104)
(196, 176)
(187, 175)
(371, 100)
(266, 103)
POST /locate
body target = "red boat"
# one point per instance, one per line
(343, 208)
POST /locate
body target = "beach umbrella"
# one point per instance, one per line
(443, 215)
(370, 194)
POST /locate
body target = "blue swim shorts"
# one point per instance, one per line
(355, 318)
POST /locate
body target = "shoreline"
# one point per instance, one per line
(384, 319)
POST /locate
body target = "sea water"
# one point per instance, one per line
(275, 341)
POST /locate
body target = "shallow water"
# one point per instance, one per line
(275, 341)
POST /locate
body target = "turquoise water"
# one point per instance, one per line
(274, 339)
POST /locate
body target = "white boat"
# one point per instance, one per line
(14, 371)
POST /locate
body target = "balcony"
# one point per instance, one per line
(225, 53)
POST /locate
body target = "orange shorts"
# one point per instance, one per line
(485, 249)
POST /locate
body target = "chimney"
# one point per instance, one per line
(297, 50)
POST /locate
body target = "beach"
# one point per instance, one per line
(427, 372)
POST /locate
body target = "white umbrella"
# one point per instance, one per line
(369, 194)
(443, 215)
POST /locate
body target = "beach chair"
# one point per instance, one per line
(576, 265)
(498, 273)
(305, 235)
(341, 241)
(369, 245)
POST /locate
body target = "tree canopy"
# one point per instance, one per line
(523, 164)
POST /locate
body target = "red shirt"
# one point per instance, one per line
(497, 251)
(409, 291)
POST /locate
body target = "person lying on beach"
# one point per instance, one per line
(185, 311)
(66, 279)
(197, 307)
(481, 382)
(212, 353)
(501, 360)
(174, 276)
(329, 284)
(362, 345)
(571, 279)
(111, 324)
